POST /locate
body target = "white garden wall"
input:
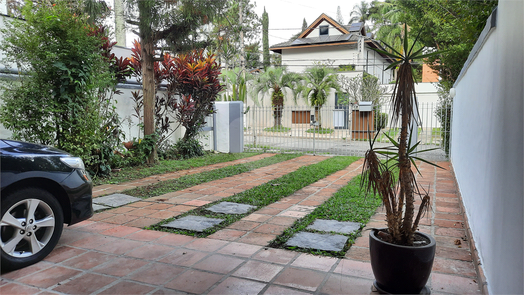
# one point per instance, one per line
(487, 147)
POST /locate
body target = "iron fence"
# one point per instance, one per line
(338, 130)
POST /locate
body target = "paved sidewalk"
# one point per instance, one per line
(107, 189)
(96, 257)
(153, 210)
(264, 225)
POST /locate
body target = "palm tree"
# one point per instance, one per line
(277, 81)
(387, 18)
(398, 196)
(360, 13)
(318, 82)
(236, 82)
(97, 10)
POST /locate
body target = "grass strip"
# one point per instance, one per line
(264, 194)
(166, 166)
(350, 203)
(183, 182)
(320, 130)
(277, 129)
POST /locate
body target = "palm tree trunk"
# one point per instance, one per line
(405, 173)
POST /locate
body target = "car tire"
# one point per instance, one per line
(30, 227)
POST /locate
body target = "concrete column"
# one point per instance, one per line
(120, 27)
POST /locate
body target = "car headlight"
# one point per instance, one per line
(73, 162)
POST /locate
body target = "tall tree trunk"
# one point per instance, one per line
(148, 86)
(405, 173)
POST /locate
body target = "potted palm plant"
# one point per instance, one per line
(401, 257)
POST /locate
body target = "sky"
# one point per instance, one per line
(289, 14)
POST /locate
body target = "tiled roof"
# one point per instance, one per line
(317, 40)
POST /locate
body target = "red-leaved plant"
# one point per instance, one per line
(194, 77)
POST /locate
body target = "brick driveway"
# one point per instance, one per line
(102, 256)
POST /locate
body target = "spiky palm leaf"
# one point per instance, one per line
(278, 82)
(398, 196)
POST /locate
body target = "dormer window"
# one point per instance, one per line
(324, 30)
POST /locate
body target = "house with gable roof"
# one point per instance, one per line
(346, 47)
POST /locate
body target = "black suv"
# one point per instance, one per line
(41, 189)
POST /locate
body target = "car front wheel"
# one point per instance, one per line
(31, 225)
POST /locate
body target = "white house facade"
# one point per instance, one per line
(326, 41)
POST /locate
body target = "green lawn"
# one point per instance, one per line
(277, 129)
(320, 130)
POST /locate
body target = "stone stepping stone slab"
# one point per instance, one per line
(230, 208)
(343, 227)
(115, 200)
(325, 242)
(195, 223)
(97, 207)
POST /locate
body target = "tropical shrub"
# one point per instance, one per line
(60, 97)
(194, 77)
(192, 87)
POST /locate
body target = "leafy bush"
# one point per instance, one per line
(189, 148)
(381, 120)
(443, 113)
(142, 148)
(61, 98)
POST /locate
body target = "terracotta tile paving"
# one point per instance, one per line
(110, 189)
(88, 260)
(188, 199)
(194, 281)
(184, 257)
(219, 263)
(299, 278)
(238, 286)
(49, 277)
(260, 230)
(127, 287)
(259, 271)
(85, 284)
(106, 258)
(157, 273)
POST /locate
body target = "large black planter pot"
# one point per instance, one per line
(401, 269)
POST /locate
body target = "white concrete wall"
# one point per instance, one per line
(487, 149)
(374, 64)
(3, 6)
(298, 59)
(427, 96)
